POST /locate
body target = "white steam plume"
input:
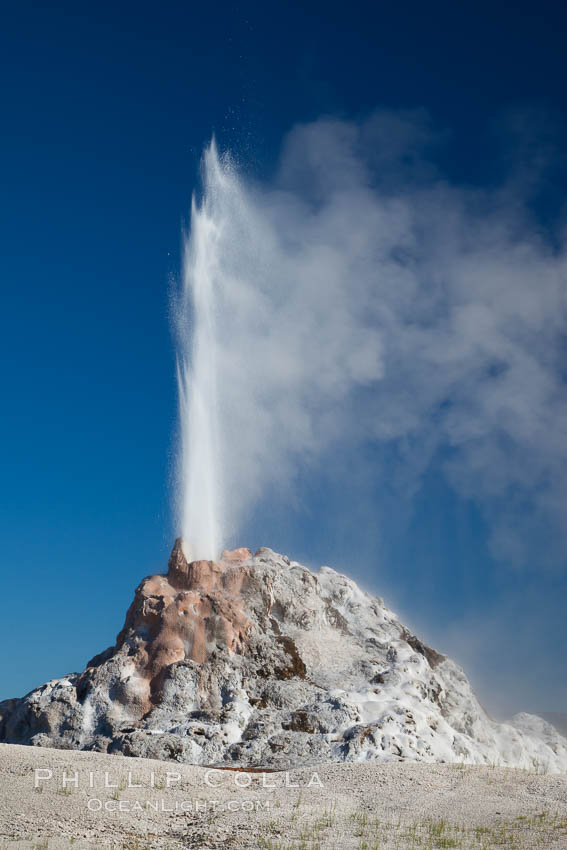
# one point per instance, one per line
(200, 472)
(360, 296)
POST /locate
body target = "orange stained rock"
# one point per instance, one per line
(197, 607)
(235, 556)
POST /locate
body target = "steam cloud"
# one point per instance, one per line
(359, 295)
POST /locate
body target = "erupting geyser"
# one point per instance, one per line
(199, 468)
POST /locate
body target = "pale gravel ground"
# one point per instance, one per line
(405, 806)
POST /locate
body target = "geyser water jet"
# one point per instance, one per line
(274, 341)
(199, 468)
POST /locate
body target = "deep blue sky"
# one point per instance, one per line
(105, 110)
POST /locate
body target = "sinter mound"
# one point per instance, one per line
(256, 661)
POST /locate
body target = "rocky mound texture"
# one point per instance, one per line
(257, 661)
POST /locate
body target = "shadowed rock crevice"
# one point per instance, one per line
(433, 657)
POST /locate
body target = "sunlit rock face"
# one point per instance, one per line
(254, 660)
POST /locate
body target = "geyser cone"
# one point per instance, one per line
(260, 662)
(185, 572)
